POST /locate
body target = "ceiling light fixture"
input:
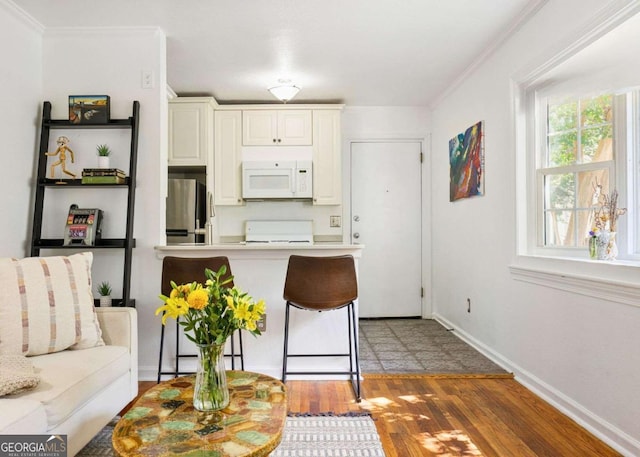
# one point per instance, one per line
(285, 91)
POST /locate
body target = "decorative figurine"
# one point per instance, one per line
(62, 141)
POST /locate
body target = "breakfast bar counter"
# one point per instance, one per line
(260, 270)
(242, 246)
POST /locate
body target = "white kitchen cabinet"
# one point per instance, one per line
(277, 127)
(190, 130)
(327, 158)
(227, 182)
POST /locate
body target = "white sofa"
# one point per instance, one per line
(81, 390)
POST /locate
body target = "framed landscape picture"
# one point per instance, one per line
(466, 163)
(89, 109)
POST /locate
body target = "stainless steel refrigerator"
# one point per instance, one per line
(186, 211)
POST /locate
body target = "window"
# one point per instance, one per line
(577, 125)
(582, 143)
(577, 155)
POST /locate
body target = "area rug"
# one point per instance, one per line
(303, 436)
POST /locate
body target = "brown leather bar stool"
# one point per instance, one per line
(323, 284)
(182, 270)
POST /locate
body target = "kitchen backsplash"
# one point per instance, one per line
(229, 220)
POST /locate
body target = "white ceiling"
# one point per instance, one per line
(359, 52)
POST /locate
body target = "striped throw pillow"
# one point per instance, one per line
(46, 305)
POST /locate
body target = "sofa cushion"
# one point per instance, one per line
(69, 379)
(22, 416)
(46, 305)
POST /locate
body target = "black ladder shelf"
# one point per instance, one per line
(128, 242)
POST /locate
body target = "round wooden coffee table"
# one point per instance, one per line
(163, 421)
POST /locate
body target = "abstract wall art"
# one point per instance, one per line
(466, 161)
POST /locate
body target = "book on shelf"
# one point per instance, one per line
(103, 172)
(103, 180)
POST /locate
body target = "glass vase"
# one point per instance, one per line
(593, 247)
(606, 247)
(211, 392)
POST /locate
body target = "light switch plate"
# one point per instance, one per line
(262, 323)
(147, 79)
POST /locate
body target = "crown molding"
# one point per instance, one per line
(525, 14)
(124, 31)
(20, 14)
(606, 19)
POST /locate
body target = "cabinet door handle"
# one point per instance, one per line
(279, 140)
(274, 140)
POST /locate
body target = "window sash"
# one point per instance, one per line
(632, 186)
(543, 211)
(542, 171)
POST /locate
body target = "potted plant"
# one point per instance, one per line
(103, 155)
(104, 289)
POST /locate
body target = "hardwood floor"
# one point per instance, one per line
(433, 416)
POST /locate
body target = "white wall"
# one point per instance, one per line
(385, 122)
(110, 61)
(20, 110)
(580, 352)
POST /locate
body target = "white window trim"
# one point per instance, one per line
(615, 281)
(633, 195)
(625, 292)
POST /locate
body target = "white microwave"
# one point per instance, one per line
(275, 179)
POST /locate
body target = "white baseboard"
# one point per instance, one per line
(605, 431)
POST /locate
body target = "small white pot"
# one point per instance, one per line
(105, 301)
(103, 162)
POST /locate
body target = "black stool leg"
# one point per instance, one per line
(286, 343)
(160, 356)
(241, 350)
(233, 353)
(240, 353)
(352, 319)
(175, 375)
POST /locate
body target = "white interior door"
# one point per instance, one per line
(386, 217)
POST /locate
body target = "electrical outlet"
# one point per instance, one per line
(147, 79)
(262, 323)
(334, 221)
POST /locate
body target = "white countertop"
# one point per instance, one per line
(235, 249)
(258, 246)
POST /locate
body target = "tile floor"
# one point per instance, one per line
(418, 346)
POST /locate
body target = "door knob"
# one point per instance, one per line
(356, 235)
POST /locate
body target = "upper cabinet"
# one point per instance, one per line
(291, 127)
(318, 126)
(227, 182)
(327, 158)
(190, 130)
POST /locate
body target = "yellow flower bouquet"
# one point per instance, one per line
(212, 312)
